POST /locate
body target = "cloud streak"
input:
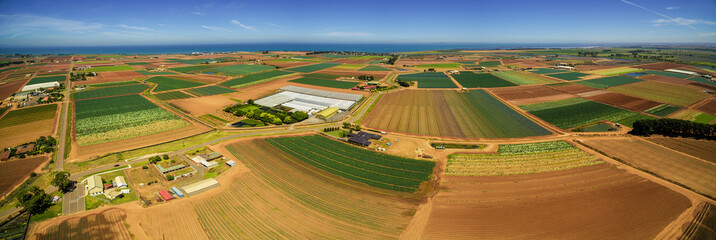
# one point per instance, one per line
(672, 8)
(214, 28)
(273, 25)
(243, 25)
(682, 21)
(658, 13)
(349, 34)
(134, 28)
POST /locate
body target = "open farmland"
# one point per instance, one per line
(547, 71)
(170, 83)
(692, 172)
(109, 119)
(667, 74)
(569, 76)
(110, 68)
(708, 107)
(490, 64)
(325, 82)
(439, 66)
(137, 63)
(374, 69)
(27, 124)
(615, 71)
(375, 169)
(609, 81)
(190, 68)
(663, 92)
(521, 159)
(172, 95)
(702, 80)
(313, 68)
(693, 115)
(110, 91)
(257, 78)
(662, 110)
(143, 72)
(624, 101)
(239, 69)
(475, 114)
(208, 91)
(7, 89)
(575, 112)
(529, 94)
(12, 173)
(597, 201)
(429, 80)
(522, 78)
(108, 224)
(469, 79)
(572, 88)
(703, 149)
(37, 80)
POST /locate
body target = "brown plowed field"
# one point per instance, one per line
(694, 173)
(520, 95)
(709, 107)
(573, 88)
(14, 172)
(377, 75)
(402, 62)
(288, 64)
(352, 61)
(667, 65)
(596, 67)
(595, 202)
(58, 66)
(108, 224)
(7, 89)
(705, 86)
(665, 79)
(624, 101)
(207, 104)
(114, 75)
(703, 149)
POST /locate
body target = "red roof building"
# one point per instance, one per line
(4, 156)
(166, 195)
(108, 186)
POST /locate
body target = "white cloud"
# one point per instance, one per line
(657, 13)
(22, 24)
(214, 28)
(682, 21)
(134, 28)
(273, 25)
(198, 13)
(672, 8)
(349, 34)
(711, 34)
(243, 26)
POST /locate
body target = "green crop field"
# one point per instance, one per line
(547, 71)
(514, 159)
(27, 115)
(239, 69)
(168, 83)
(615, 71)
(663, 92)
(209, 90)
(522, 78)
(194, 61)
(36, 80)
(110, 91)
(8, 69)
(322, 76)
(112, 84)
(144, 72)
(375, 69)
(313, 68)
(693, 115)
(607, 82)
(440, 65)
(489, 64)
(474, 114)
(172, 95)
(667, 74)
(575, 112)
(662, 110)
(569, 76)
(256, 78)
(480, 80)
(137, 63)
(114, 118)
(109, 69)
(325, 82)
(429, 80)
(370, 167)
(191, 68)
(702, 80)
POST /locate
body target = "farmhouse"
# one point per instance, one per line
(166, 195)
(200, 186)
(94, 185)
(327, 113)
(119, 182)
(206, 157)
(362, 138)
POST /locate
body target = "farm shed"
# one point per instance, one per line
(209, 165)
(40, 85)
(108, 186)
(177, 192)
(322, 93)
(125, 191)
(231, 163)
(206, 157)
(119, 182)
(327, 113)
(200, 186)
(166, 195)
(113, 194)
(681, 71)
(94, 185)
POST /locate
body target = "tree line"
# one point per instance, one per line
(674, 128)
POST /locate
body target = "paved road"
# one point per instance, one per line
(60, 159)
(74, 201)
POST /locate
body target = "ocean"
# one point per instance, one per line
(253, 47)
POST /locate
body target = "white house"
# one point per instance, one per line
(119, 182)
(94, 185)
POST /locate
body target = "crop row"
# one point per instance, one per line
(168, 83)
(256, 78)
(534, 147)
(580, 113)
(209, 90)
(525, 163)
(110, 91)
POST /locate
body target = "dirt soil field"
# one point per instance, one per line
(27, 132)
(704, 149)
(207, 104)
(290, 64)
(573, 88)
(377, 75)
(694, 173)
(599, 202)
(7, 89)
(665, 79)
(113, 75)
(520, 95)
(14, 172)
(668, 65)
(708, 107)
(624, 101)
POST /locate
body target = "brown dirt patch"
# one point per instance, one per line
(123, 74)
(106, 224)
(377, 75)
(55, 67)
(708, 107)
(573, 88)
(207, 104)
(352, 61)
(281, 64)
(624, 101)
(27, 132)
(589, 202)
(520, 95)
(7, 89)
(402, 62)
(666, 79)
(704, 149)
(14, 172)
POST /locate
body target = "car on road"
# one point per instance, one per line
(116, 165)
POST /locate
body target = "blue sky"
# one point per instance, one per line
(109, 23)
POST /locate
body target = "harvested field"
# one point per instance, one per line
(450, 114)
(529, 94)
(702, 225)
(27, 124)
(575, 112)
(7, 89)
(14, 172)
(172, 83)
(624, 101)
(110, 91)
(205, 105)
(522, 78)
(143, 72)
(692, 172)
(469, 79)
(708, 107)
(354, 61)
(609, 81)
(572, 88)
(615, 71)
(313, 68)
(663, 92)
(703, 149)
(598, 201)
(108, 224)
(429, 80)
(693, 115)
(377, 75)
(112, 75)
(664, 79)
(172, 95)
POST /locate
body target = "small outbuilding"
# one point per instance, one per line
(231, 163)
(166, 195)
(327, 113)
(177, 192)
(200, 186)
(120, 182)
(209, 165)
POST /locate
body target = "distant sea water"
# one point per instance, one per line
(253, 47)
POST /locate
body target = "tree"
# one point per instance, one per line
(165, 157)
(34, 200)
(250, 101)
(155, 159)
(170, 177)
(63, 182)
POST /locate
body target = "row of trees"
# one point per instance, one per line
(35, 200)
(266, 115)
(156, 159)
(74, 76)
(42, 145)
(674, 128)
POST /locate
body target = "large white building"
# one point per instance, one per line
(94, 185)
(309, 100)
(40, 85)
